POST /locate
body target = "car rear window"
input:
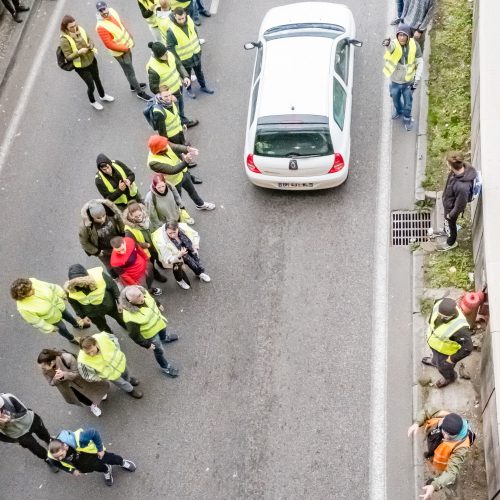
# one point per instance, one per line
(289, 142)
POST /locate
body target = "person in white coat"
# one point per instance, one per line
(178, 245)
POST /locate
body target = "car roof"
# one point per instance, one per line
(309, 12)
(295, 74)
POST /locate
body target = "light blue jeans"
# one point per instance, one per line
(402, 98)
(399, 8)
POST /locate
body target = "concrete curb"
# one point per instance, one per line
(18, 30)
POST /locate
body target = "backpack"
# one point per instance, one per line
(62, 62)
(149, 114)
(475, 187)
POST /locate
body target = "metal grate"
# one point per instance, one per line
(409, 226)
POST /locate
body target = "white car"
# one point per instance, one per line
(299, 116)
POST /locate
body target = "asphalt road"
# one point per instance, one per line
(273, 399)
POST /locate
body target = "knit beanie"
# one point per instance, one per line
(96, 209)
(77, 271)
(157, 143)
(157, 48)
(447, 307)
(404, 29)
(452, 424)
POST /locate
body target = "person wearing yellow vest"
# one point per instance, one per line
(183, 40)
(78, 48)
(119, 42)
(403, 65)
(164, 69)
(163, 159)
(42, 305)
(178, 245)
(100, 358)
(449, 337)
(116, 182)
(82, 451)
(148, 12)
(93, 295)
(146, 324)
(449, 438)
(163, 12)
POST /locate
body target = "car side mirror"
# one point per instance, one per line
(252, 45)
(355, 42)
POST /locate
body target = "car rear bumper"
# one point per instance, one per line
(298, 183)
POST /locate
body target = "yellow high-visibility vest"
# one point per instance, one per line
(95, 297)
(172, 119)
(138, 236)
(179, 3)
(148, 317)
(123, 199)
(187, 45)
(150, 5)
(120, 34)
(392, 59)
(168, 158)
(77, 62)
(167, 71)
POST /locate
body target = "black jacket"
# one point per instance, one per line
(456, 192)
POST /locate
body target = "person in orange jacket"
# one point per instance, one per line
(119, 42)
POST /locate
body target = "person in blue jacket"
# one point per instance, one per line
(82, 451)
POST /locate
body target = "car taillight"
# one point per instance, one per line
(251, 165)
(338, 164)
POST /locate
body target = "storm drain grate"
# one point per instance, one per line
(409, 226)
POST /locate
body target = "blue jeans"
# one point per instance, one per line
(402, 97)
(159, 352)
(61, 326)
(399, 8)
(194, 9)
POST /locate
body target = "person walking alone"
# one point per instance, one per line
(82, 451)
(60, 369)
(78, 48)
(14, 7)
(93, 295)
(41, 304)
(119, 42)
(449, 338)
(404, 66)
(18, 424)
(456, 194)
(100, 358)
(146, 325)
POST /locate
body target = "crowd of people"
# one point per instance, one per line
(137, 237)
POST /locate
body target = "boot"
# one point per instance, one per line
(135, 394)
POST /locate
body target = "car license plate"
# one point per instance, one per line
(295, 184)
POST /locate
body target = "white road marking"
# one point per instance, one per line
(378, 417)
(25, 96)
(214, 6)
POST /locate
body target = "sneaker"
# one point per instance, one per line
(104, 397)
(189, 221)
(95, 410)
(202, 41)
(396, 115)
(134, 381)
(135, 394)
(427, 361)
(409, 125)
(207, 90)
(205, 277)
(183, 285)
(156, 291)
(197, 22)
(108, 476)
(171, 371)
(97, 105)
(192, 123)
(106, 97)
(190, 93)
(196, 180)
(205, 13)
(206, 206)
(141, 85)
(74, 341)
(17, 18)
(143, 95)
(396, 21)
(170, 338)
(446, 247)
(129, 465)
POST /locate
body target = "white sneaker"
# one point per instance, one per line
(107, 97)
(104, 397)
(97, 105)
(206, 206)
(189, 221)
(183, 285)
(95, 410)
(205, 277)
(202, 41)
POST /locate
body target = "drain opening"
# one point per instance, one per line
(409, 226)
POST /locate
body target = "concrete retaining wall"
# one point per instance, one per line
(485, 145)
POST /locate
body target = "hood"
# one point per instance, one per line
(468, 176)
(67, 437)
(102, 158)
(109, 206)
(126, 304)
(405, 29)
(80, 281)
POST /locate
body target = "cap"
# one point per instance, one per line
(157, 143)
(101, 5)
(447, 307)
(452, 424)
(76, 271)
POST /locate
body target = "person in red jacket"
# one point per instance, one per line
(132, 264)
(119, 42)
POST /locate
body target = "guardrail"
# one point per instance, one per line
(485, 116)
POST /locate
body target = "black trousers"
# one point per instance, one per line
(188, 185)
(199, 74)
(447, 370)
(90, 75)
(452, 231)
(28, 440)
(11, 7)
(90, 462)
(101, 323)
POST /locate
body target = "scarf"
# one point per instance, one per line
(183, 242)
